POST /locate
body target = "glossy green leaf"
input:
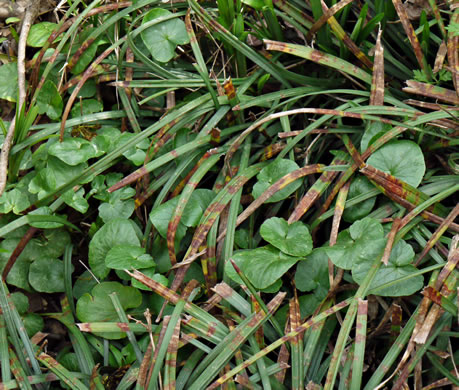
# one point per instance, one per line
(83, 284)
(262, 266)
(256, 4)
(293, 239)
(359, 185)
(162, 38)
(21, 302)
(364, 240)
(137, 153)
(115, 232)
(76, 200)
(39, 33)
(55, 173)
(98, 306)
(33, 323)
(399, 266)
(312, 273)
(116, 209)
(9, 82)
(198, 202)
(73, 151)
(86, 107)
(402, 159)
(150, 272)
(128, 257)
(272, 173)
(49, 101)
(14, 200)
(19, 273)
(47, 275)
(372, 132)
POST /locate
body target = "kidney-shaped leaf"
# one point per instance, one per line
(293, 239)
(272, 173)
(402, 159)
(312, 273)
(73, 151)
(198, 202)
(98, 306)
(262, 266)
(116, 209)
(162, 38)
(398, 267)
(39, 33)
(360, 185)
(9, 81)
(47, 275)
(115, 232)
(49, 100)
(363, 240)
(127, 257)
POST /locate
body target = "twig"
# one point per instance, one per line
(31, 11)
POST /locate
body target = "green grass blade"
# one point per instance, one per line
(123, 318)
(175, 317)
(62, 373)
(359, 350)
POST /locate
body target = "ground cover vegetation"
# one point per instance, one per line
(248, 194)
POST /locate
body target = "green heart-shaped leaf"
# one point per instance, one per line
(360, 185)
(47, 275)
(363, 240)
(162, 38)
(398, 267)
(262, 266)
(49, 101)
(312, 273)
(115, 232)
(402, 159)
(98, 305)
(73, 151)
(272, 173)
(293, 239)
(128, 257)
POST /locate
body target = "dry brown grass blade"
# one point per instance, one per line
(440, 57)
(325, 16)
(171, 363)
(128, 77)
(377, 82)
(284, 356)
(348, 42)
(453, 53)
(339, 210)
(453, 260)
(144, 366)
(431, 91)
(390, 241)
(411, 34)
